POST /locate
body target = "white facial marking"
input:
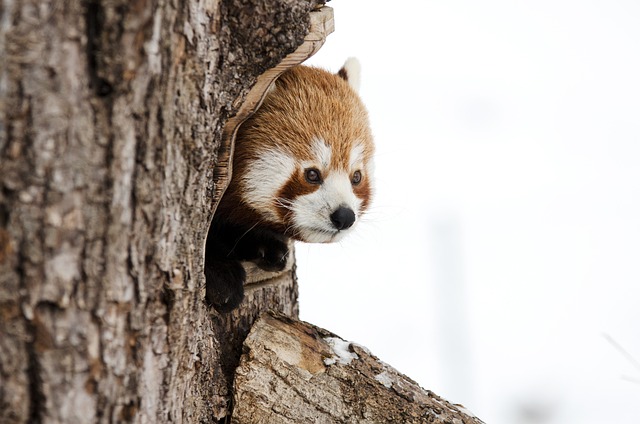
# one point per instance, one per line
(321, 153)
(356, 156)
(264, 179)
(312, 212)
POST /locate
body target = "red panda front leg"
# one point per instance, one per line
(267, 249)
(225, 283)
(227, 245)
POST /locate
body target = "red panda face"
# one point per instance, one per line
(322, 200)
(304, 160)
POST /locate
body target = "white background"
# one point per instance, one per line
(502, 252)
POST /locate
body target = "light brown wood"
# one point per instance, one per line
(292, 372)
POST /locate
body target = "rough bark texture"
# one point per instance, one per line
(294, 373)
(112, 113)
(116, 131)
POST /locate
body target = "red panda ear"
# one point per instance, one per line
(350, 72)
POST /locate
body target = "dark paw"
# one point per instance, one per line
(225, 285)
(273, 255)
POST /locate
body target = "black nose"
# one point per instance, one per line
(343, 218)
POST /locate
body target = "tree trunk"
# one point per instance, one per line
(112, 117)
(117, 126)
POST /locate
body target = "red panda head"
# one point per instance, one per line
(303, 161)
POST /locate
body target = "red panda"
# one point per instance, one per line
(302, 169)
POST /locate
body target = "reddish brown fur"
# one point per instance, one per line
(296, 186)
(306, 103)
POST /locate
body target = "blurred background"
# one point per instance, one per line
(499, 265)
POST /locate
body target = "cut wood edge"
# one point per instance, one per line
(320, 26)
(294, 372)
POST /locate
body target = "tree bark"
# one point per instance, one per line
(117, 122)
(112, 116)
(295, 373)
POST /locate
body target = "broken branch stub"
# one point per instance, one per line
(294, 372)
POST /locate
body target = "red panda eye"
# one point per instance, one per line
(357, 177)
(312, 176)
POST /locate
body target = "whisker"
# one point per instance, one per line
(285, 203)
(285, 255)
(241, 237)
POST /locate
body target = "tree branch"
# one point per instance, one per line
(294, 372)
